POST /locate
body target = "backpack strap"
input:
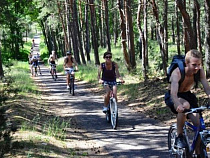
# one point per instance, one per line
(182, 71)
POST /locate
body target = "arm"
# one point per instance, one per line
(99, 74)
(204, 82)
(64, 64)
(175, 77)
(75, 64)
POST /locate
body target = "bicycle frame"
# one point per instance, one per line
(196, 130)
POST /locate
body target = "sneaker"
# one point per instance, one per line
(104, 109)
(180, 142)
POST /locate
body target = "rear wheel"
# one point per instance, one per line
(114, 113)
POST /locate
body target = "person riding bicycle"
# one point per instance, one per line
(69, 63)
(34, 62)
(110, 72)
(180, 95)
(51, 60)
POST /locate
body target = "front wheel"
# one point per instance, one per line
(175, 152)
(114, 112)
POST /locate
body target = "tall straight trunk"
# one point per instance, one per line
(87, 32)
(143, 40)
(74, 33)
(1, 67)
(189, 39)
(207, 38)
(93, 31)
(68, 25)
(79, 36)
(165, 27)
(123, 36)
(145, 36)
(131, 47)
(107, 25)
(160, 36)
(63, 26)
(197, 8)
(178, 30)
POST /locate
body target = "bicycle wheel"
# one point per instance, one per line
(175, 152)
(203, 151)
(114, 113)
(36, 74)
(108, 115)
(72, 85)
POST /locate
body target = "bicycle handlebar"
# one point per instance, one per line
(196, 110)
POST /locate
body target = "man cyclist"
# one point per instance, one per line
(51, 60)
(180, 95)
(110, 72)
(69, 63)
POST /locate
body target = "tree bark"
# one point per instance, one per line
(207, 38)
(93, 32)
(189, 38)
(123, 37)
(1, 67)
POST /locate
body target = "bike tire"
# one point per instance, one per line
(175, 152)
(72, 85)
(203, 152)
(108, 115)
(114, 113)
(36, 74)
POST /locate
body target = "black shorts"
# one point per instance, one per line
(190, 97)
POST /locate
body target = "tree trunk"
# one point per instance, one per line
(160, 36)
(107, 25)
(63, 26)
(123, 37)
(93, 31)
(143, 40)
(79, 36)
(207, 38)
(1, 67)
(189, 38)
(87, 33)
(197, 8)
(131, 47)
(178, 31)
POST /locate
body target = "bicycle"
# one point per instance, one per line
(71, 80)
(53, 71)
(193, 131)
(112, 109)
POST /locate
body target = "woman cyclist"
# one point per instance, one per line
(110, 72)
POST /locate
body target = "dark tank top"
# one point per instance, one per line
(108, 75)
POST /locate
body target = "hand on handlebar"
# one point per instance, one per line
(100, 81)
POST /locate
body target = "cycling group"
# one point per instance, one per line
(180, 100)
(33, 60)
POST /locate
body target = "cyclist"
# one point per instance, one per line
(51, 59)
(69, 62)
(110, 72)
(34, 62)
(181, 97)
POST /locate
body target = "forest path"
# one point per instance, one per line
(137, 136)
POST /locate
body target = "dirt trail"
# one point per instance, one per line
(137, 136)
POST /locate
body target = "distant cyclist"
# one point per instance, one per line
(110, 72)
(69, 62)
(52, 59)
(35, 62)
